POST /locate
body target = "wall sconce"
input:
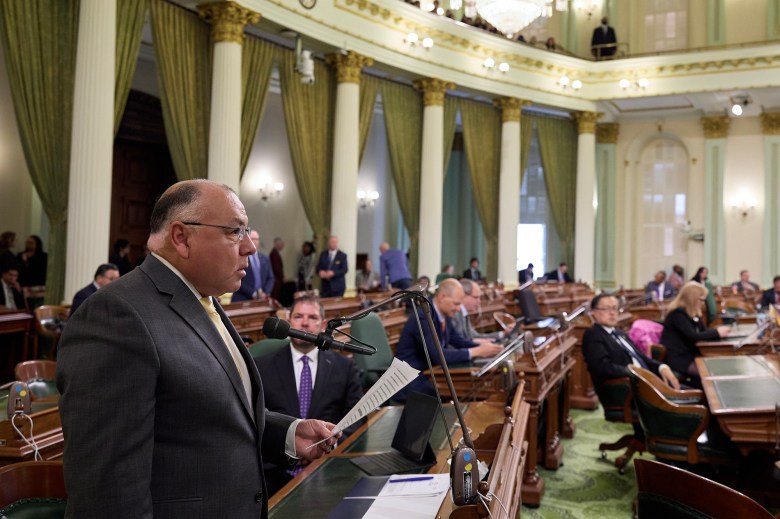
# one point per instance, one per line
(743, 206)
(588, 7)
(490, 65)
(367, 199)
(635, 84)
(690, 232)
(413, 39)
(269, 190)
(565, 82)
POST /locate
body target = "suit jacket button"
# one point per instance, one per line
(259, 496)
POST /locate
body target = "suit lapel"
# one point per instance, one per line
(324, 368)
(184, 303)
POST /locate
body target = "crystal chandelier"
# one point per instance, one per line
(512, 16)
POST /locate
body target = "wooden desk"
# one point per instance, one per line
(742, 392)
(248, 317)
(729, 346)
(48, 435)
(319, 488)
(546, 375)
(14, 322)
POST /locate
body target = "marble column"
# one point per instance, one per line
(716, 130)
(92, 145)
(509, 190)
(770, 125)
(346, 156)
(431, 175)
(227, 21)
(606, 149)
(585, 219)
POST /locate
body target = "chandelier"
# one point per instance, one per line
(512, 16)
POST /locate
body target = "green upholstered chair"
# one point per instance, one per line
(40, 376)
(673, 421)
(672, 493)
(617, 401)
(371, 331)
(267, 346)
(32, 489)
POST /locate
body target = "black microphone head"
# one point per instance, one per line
(275, 328)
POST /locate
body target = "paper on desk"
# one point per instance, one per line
(415, 499)
(398, 375)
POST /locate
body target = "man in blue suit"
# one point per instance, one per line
(259, 279)
(457, 349)
(332, 268)
(105, 274)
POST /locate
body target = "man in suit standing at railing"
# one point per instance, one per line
(602, 43)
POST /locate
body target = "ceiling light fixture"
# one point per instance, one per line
(565, 82)
(739, 103)
(511, 16)
(635, 84)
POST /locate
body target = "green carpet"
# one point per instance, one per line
(586, 486)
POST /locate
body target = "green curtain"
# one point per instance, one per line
(482, 143)
(183, 51)
(39, 42)
(130, 15)
(308, 112)
(257, 63)
(558, 149)
(526, 131)
(450, 123)
(403, 125)
(369, 87)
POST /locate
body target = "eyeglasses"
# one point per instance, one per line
(238, 232)
(609, 309)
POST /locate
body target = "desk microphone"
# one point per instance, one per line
(276, 328)
(18, 399)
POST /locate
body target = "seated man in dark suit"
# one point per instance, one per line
(771, 296)
(560, 274)
(608, 351)
(658, 289)
(527, 274)
(457, 349)
(10, 291)
(328, 392)
(744, 285)
(105, 274)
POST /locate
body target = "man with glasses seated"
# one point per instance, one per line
(460, 321)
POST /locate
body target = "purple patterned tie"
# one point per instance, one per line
(304, 392)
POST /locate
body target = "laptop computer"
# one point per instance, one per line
(411, 442)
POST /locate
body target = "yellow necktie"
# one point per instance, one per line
(243, 372)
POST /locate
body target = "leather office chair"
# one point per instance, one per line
(617, 401)
(371, 330)
(673, 421)
(49, 321)
(32, 489)
(40, 376)
(672, 493)
(266, 347)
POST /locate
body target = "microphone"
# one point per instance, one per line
(276, 328)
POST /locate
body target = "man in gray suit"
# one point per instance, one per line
(460, 321)
(162, 407)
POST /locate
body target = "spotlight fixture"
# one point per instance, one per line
(566, 82)
(635, 84)
(490, 64)
(413, 39)
(427, 43)
(739, 103)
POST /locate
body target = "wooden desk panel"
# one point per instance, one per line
(48, 436)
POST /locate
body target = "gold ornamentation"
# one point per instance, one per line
(227, 20)
(433, 90)
(586, 121)
(511, 108)
(348, 65)
(715, 126)
(770, 123)
(607, 133)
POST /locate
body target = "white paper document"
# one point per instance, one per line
(416, 497)
(398, 375)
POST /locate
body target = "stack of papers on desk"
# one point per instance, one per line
(411, 496)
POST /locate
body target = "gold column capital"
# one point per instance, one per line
(348, 65)
(433, 90)
(227, 20)
(586, 121)
(770, 123)
(511, 108)
(607, 133)
(715, 126)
